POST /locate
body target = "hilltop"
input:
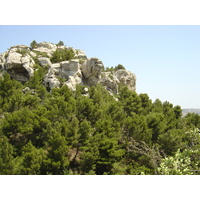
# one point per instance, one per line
(64, 65)
(191, 110)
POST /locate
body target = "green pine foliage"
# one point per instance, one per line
(62, 55)
(33, 44)
(68, 132)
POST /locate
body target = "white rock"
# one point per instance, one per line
(73, 81)
(70, 68)
(33, 54)
(55, 65)
(2, 57)
(61, 47)
(80, 54)
(14, 58)
(82, 70)
(18, 66)
(50, 80)
(109, 80)
(46, 47)
(52, 83)
(126, 78)
(26, 89)
(55, 69)
(86, 90)
(44, 61)
(92, 67)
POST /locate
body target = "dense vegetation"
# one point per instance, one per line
(61, 55)
(66, 132)
(111, 69)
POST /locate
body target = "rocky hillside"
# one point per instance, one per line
(190, 110)
(63, 64)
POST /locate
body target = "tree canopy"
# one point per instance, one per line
(70, 132)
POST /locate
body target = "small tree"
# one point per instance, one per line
(33, 44)
(32, 159)
(60, 43)
(6, 156)
(119, 67)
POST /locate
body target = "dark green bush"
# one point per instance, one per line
(119, 67)
(61, 55)
(33, 44)
(22, 51)
(60, 43)
(41, 54)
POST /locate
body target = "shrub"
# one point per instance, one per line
(111, 69)
(119, 67)
(41, 54)
(33, 44)
(22, 51)
(60, 43)
(61, 55)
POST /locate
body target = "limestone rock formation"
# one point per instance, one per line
(44, 61)
(19, 61)
(45, 47)
(110, 81)
(126, 78)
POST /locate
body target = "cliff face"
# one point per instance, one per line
(19, 61)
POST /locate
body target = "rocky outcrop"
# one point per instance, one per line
(44, 61)
(19, 62)
(91, 69)
(111, 80)
(70, 71)
(126, 78)
(45, 47)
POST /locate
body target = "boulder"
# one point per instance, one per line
(92, 67)
(91, 70)
(73, 81)
(14, 58)
(110, 81)
(80, 54)
(126, 78)
(44, 61)
(54, 69)
(70, 68)
(50, 80)
(33, 54)
(18, 66)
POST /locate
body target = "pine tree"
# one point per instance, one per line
(6, 156)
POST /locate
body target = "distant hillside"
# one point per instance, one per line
(191, 110)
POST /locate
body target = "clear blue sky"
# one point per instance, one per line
(165, 59)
